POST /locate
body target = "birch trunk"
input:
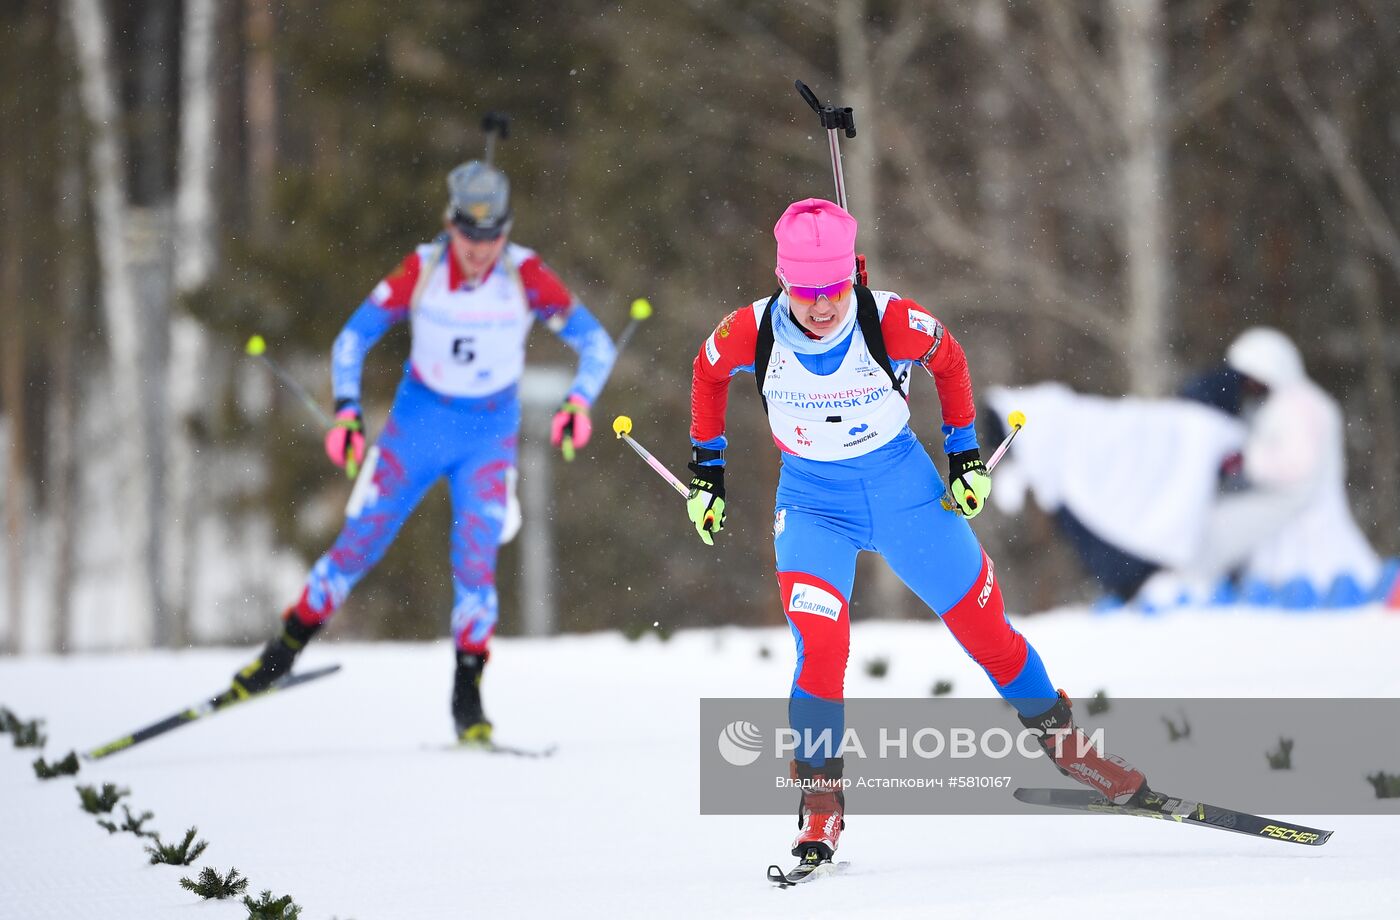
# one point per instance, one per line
(119, 307)
(74, 287)
(151, 267)
(12, 407)
(194, 197)
(152, 229)
(861, 154)
(1002, 204)
(1384, 493)
(194, 262)
(260, 93)
(1141, 54)
(995, 181)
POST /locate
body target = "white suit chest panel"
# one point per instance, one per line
(836, 416)
(471, 341)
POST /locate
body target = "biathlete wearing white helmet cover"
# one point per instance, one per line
(854, 477)
(471, 298)
(456, 413)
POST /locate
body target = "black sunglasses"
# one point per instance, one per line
(477, 232)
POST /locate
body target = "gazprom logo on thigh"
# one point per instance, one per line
(811, 599)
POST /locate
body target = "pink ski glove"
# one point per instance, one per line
(345, 442)
(571, 427)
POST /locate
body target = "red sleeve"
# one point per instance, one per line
(396, 290)
(729, 348)
(547, 295)
(913, 334)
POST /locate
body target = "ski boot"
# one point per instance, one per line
(276, 658)
(473, 728)
(820, 820)
(1116, 779)
(821, 811)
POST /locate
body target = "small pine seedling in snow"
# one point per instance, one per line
(131, 824)
(28, 734)
(1387, 785)
(173, 854)
(1282, 759)
(101, 803)
(212, 885)
(1177, 732)
(877, 667)
(65, 767)
(942, 687)
(1098, 704)
(268, 908)
(8, 721)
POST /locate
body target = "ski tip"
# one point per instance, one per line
(301, 677)
(1295, 833)
(111, 747)
(1058, 798)
(804, 873)
(1032, 796)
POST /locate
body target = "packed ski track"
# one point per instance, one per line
(338, 794)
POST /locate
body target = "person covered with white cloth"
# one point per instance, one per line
(1291, 531)
(1129, 481)
(1137, 482)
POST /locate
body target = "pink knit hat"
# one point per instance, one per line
(816, 242)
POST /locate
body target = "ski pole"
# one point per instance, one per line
(257, 348)
(835, 118)
(622, 427)
(640, 312)
(495, 125)
(359, 494)
(1017, 421)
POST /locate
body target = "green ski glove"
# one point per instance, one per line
(706, 502)
(969, 483)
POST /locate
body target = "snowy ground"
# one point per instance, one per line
(336, 794)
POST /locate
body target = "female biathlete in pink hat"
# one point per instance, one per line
(832, 359)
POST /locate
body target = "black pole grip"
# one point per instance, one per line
(806, 93)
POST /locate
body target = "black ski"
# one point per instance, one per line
(1181, 811)
(210, 706)
(813, 866)
(491, 747)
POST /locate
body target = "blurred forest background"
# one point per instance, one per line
(1102, 192)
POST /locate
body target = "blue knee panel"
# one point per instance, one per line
(426, 437)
